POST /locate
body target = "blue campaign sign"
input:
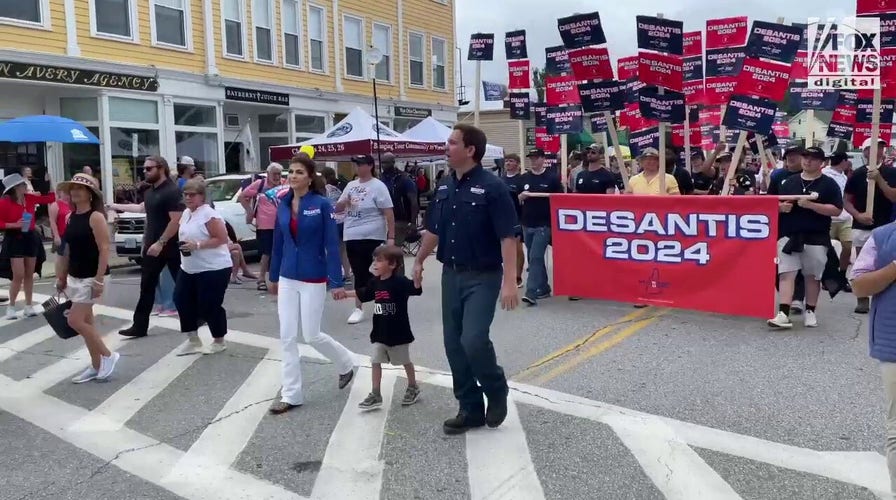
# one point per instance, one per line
(668, 107)
(748, 113)
(864, 108)
(642, 139)
(661, 35)
(839, 130)
(564, 119)
(802, 97)
(724, 61)
(556, 60)
(777, 42)
(581, 30)
(519, 106)
(601, 96)
(692, 69)
(482, 47)
(598, 123)
(540, 110)
(768, 141)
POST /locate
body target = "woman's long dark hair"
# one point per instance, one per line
(317, 181)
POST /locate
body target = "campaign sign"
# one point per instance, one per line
(601, 96)
(750, 113)
(847, 98)
(768, 141)
(678, 136)
(494, 91)
(670, 251)
(627, 68)
(726, 32)
(694, 91)
(777, 42)
(630, 90)
(520, 106)
(862, 131)
(887, 28)
(640, 140)
(660, 35)
(632, 118)
(864, 108)
(719, 90)
(668, 107)
(564, 119)
(844, 114)
(711, 116)
(840, 130)
(724, 61)
(692, 68)
(781, 130)
(802, 97)
(518, 74)
(875, 6)
(591, 63)
(599, 123)
(662, 70)
(515, 45)
(540, 110)
(556, 60)
(560, 90)
(716, 136)
(581, 30)
(799, 69)
(763, 79)
(693, 44)
(482, 47)
(549, 143)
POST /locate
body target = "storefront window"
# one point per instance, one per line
(188, 115)
(404, 124)
(133, 110)
(264, 152)
(310, 124)
(77, 156)
(202, 147)
(80, 109)
(273, 123)
(129, 148)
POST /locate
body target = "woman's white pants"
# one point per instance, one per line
(301, 305)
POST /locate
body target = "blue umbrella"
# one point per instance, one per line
(45, 128)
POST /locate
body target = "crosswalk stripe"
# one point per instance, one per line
(24, 342)
(69, 366)
(499, 465)
(352, 467)
(223, 440)
(112, 413)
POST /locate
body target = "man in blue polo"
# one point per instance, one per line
(473, 222)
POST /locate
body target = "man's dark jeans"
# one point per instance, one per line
(150, 269)
(468, 307)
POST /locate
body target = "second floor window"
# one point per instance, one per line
(28, 11)
(262, 16)
(291, 35)
(353, 36)
(316, 30)
(171, 22)
(113, 17)
(233, 27)
(382, 40)
(438, 63)
(415, 59)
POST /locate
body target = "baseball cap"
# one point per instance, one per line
(697, 154)
(724, 156)
(795, 149)
(867, 143)
(537, 152)
(838, 158)
(363, 159)
(649, 152)
(815, 152)
(595, 147)
(186, 160)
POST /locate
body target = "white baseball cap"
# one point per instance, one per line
(867, 143)
(186, 160)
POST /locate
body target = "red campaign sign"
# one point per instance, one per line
(670, 251)
(719, 90)
(663, 70)
(844, 114)
(678, 135)
(781, 129)
(591, 63)
(887, 76)
(762, 78)
(518, 74)
(546, 142)
(559, 90)
(693, 43)
(875, 6)
(726, 32)
(711, 117)
(800, 68)
(627, 67)
(632, 118)
(862, 131)
(694, 92)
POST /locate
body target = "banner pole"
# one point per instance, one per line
(872, 157)
(687, 140)
(611, 128)
(477, 94)
(723, 130)
(764, 167)
(564, 160)
(735, 161)
(522, 131)
(662, 130)
(606, 142)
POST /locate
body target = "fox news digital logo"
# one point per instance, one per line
(844, 54)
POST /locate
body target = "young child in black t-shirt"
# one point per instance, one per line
(391, 335)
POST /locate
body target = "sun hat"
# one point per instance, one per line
(11, 181)
(85, 180)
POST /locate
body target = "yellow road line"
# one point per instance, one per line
(599, 348)
(601, 332)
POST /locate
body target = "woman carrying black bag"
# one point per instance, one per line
(83, 271)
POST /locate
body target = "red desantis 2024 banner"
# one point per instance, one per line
(710, 253)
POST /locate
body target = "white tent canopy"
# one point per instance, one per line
(432, 130)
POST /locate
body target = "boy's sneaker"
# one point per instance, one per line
(780, 321)
(529, 300)
(193, 346)
(411, 395)
(810, 320)
(356, 317)
(11, 313)
(371, 402)
(85, 376)
(107, 366)
(30, 312)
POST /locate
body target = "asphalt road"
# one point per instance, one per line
(610, 403)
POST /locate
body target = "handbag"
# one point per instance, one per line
(56, 314)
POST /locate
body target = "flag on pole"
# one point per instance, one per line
(251, 155)
(494, 91)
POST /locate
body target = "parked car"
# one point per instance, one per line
(223, 190)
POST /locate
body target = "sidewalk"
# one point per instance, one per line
(49, 271)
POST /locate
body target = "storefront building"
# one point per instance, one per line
(272, 72)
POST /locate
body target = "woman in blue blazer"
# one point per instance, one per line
(304, 260)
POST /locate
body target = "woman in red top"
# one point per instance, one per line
(59, 211)
(20, 243)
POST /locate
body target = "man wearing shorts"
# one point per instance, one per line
(804, 235)
(265, 215)
(841, 226)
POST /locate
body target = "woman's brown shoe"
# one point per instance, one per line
(281, 407)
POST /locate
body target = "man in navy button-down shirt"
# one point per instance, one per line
(473, 221)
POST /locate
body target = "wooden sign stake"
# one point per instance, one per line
(477, 94)
(614, 136)
(872, 157)
(735, 161)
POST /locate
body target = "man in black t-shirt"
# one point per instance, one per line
(743, 181)
(595, 179)
(682, 176)
(856, 194)
(793, 165)
(805, 227)
(705, 173)
(403, 192)
(513, 178)
(536, 221)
